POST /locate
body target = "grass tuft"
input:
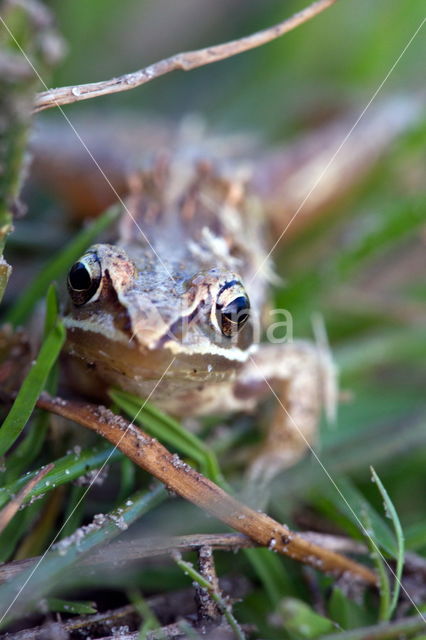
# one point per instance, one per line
(31, 388)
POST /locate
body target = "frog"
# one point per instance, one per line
(172, 309)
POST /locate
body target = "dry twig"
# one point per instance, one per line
(7, 513)
(139, 549)
(180, 61)
(128, 551)
(177, 603)
(208, 610)
(177, 631)
(152, 456)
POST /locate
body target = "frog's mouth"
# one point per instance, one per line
(132, 346)
(111, 354)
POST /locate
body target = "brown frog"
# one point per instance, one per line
(173, 310)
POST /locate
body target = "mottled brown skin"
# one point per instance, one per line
(155, 310)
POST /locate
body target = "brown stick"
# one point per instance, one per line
(172, 603)
(180, 61)
(208, 611)
(149, 454)
(7, 513)
(138, 549)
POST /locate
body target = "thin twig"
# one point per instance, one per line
(140, 548)
(175, 603)
(341, 544)
(128, 551)
(176, 631)
(181, 61)
(7, 513)
(133, 550)
(152, 456)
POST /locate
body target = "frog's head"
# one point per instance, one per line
(135, 319)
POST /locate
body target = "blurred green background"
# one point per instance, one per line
(340, 56)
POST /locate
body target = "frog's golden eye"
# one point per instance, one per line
(84, 278)
(232, 308)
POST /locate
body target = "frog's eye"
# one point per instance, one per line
(84, 278)
(232, 308)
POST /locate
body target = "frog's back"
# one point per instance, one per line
(184, 216)
(174, 308)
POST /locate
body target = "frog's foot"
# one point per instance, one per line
(302, 379)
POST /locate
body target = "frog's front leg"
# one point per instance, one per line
(301, 378)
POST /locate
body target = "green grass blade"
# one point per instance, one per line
(52, 309)
(301, 621)
(159, 424)
(384, 586)
(150, 620)
(169, 431)
(31, 388)
(39, 580)
(271, 572)
(74, 510)
(127, 478)
(399, 557)
(380, 530)
(415, 536)
(50, 319)
(58, 266)
(58, 605)
(403, 344)
(393, 223)
(29, 448)
(22, 522)
(347, 613)
(31, 445)
(66, 470)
